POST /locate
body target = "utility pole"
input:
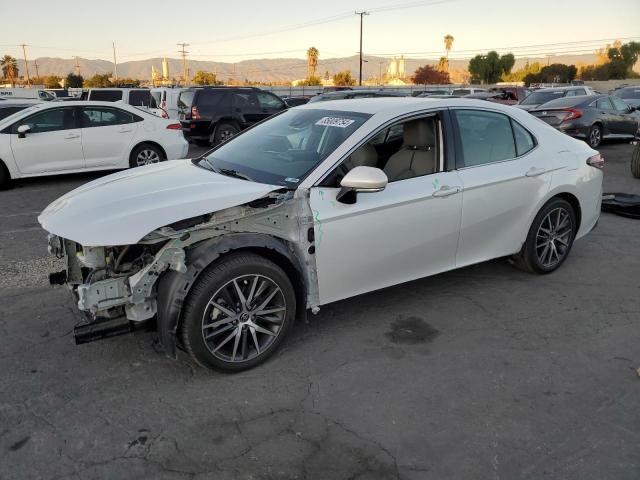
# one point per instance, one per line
(184, 62)
(115, 63)
(26, 64)
(362, 14)
(381, 62)
(35, 62)
(77, 66)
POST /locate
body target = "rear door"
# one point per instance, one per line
(53, 144)
(107, 134)
(246, 108)
(607, 114)
(626, 121)
(503, 175)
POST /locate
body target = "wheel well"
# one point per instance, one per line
(231, 121)
(5, 175)
(575, 203)
(598, 123)
(148, 142)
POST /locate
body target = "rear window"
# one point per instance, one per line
(186, 99)
(537, 98)
(209, 98)
(563, 102)
(106, 95)
(628, 93)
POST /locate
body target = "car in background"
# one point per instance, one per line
(166, 99)
(504, 95)
(350, 94)
(136, 97)
(544, 95)
(336, 89)
(51, 138)
(461, 92)
(318, 204)
(431, 91)
(26, 93)
(630, 95)
(297, 100)
(12, 106)
(61, 94)
(212, 115)
(592, 118)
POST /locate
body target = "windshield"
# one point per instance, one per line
(628, 93)
(537, 98)
(284, 149)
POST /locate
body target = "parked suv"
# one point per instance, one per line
(211, 115)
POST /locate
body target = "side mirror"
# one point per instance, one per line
(361, 180)
(23, 130)
(632, 109)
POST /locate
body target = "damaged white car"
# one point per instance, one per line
(319, 203)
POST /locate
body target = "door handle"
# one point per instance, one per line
(71, 136)
(534, 172)
(124, 130)
(446, 190)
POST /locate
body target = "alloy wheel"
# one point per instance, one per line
(595, 137)
(553, 238)
(147, 157)
(243, 318)
(226, 135)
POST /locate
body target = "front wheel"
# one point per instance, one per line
(550, 238)
(238, 313)
(145, 154)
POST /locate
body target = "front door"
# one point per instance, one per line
(107, 134)
(502, 174)
(627, 121)
(53, 144)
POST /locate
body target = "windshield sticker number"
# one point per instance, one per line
(335, 122)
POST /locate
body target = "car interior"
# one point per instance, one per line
(404, 150)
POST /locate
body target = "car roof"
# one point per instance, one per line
(553, 89)
(400, 105)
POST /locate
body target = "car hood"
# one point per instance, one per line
(122, 208)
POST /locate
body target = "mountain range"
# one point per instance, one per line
(263, 70)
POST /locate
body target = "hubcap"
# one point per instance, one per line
(147, 157)
(243, 318)
(595, 136)
(226, 135)
(553, 237)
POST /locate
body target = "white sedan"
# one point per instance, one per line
(319, 203)
(52, 138)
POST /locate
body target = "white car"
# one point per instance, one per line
(167, 101)
(51, 138)
(316, 204)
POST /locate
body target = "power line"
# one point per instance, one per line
(362, 14)
(184, 62)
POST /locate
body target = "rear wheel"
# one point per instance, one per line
(635, 161)
(5, 177)
(145, 154)
(224, 131)
(550, 238)
(238, 313)
(595, 136)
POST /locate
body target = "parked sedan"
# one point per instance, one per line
(630, 95)
(351, 94)
(51, 138)
(591, 118)
(317, 204)
(544, 95)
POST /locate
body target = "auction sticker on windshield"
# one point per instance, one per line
(335, 122)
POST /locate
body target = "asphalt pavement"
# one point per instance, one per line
(481, 373)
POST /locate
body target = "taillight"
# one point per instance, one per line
(597, 161)
(195, 114)
(573, 114)
(174, 126)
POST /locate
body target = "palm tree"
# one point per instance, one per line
(9, 68)
(448, 42)
(312, 61)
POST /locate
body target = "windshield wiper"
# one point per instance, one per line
(231, 173)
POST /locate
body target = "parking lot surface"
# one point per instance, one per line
(482, 373)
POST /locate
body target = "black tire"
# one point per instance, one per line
(202, 142)
(594, 138)
(635, 161)
(145, 154)
(528, 258)
(223, 132)
(5, 177)
(237, 270)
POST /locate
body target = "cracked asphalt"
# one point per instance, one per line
(481, 373)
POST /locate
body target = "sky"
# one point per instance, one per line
(233, 31)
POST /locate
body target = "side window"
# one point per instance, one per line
(570, 93)
(106, 95)
(50, 120)
(104, 117)
(269, 101)
(486, 137)
(140, 98)
(244, 100)
(461, 92)
(603, 103)
(524, 140)
(581, 91)
(619, 104)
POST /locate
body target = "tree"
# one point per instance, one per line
(98, 81)
(310, 82)
(427, 75)
(343, 78)
(443, 64)
(205, 78)
(312, 61)
(554, 73)
(10, 69)
(519, 75)
(74, 81)
(52, 81)
(448, 43)
(491, 67)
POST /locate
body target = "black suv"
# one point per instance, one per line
(210, 115)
